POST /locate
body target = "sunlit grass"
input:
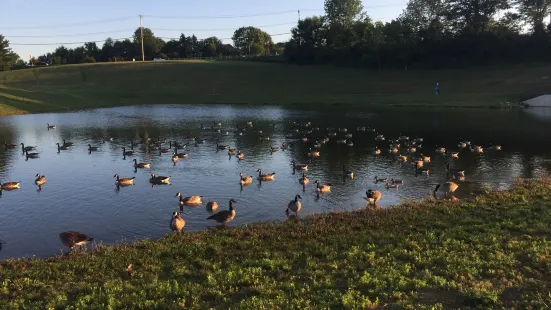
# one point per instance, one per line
(241, 82)
(492, 252)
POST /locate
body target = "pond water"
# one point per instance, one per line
(80, 193)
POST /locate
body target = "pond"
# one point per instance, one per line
(80, 194)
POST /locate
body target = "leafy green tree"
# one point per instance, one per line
(473, 16)
(108, 50)
(152, 45)
(244, 37)
(92, 50)
(343, 12)
(534, 12)
(7, 57)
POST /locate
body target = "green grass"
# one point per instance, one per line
(114, 84)
(492, 252)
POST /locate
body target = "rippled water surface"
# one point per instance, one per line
(80, 193)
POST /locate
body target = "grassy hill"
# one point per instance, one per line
(112, 84)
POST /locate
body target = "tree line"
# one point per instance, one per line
(427, 34)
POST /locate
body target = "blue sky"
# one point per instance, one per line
(70, 22)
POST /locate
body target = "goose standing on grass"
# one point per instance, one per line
(72, 239)
(245, 180)
(322, 188)
(155, 179)
(225, 216)
(265, 177)
(51, 126)
(372, 196)
(447, 188)
(191, 200)
(347, 173)
(40, 179)
(141, 165)
(10, 185)
(294, 205)
(177, 223)
(124, 181)
(92, 148)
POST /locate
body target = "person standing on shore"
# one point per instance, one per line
(437, 89)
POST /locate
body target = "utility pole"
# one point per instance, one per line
(141, 30)
(299, 15)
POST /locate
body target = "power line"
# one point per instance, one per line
(222, 16)
(69, 43)
(72, 35)
(72, 24)
(221, 29)
(271, 35)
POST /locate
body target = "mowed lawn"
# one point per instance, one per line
(72, 87)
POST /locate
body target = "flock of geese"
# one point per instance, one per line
(403, 149)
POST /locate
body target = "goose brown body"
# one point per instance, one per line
(40, 179)
(177, 223)
(74, 238)
(124, 181)
(224, 216)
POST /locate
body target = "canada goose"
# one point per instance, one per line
(231, 152)
(323, 188)
(377, 179)
(245, 180)
(249, 123)
(190, 200)
(62, 147)
(387, 185)
(107, 139)
(180, 155)
(347, 173)
(31, 155)
(294, 205)
(458, 172)
(10, 185)
(494, 147)
(175, 158)
(477, 149)
(240, 155)
(343, 129)
(92, 148)
(393, 150)
(65, 143)
(348, 135)
(440, 150)
(396, 181)
(51, 126)
(447, 188)
(350, 143)
(164, 149)
(412, 149)
(372, 196)
(274, 148)
(341, 141)
(380, 138)
(265, 177)
(403, 138)
(124, 181)
(301, 167)
(377, 151)
(177, 223)
(425, 158)
(72, 238)
(212, 206)
(217, 123)
(395, 145)
(9, 146)
(402, 158)
(452, 154)
(418, 140)
(125, 152)
(27, 148)
(303, 180)
(284, 146)
(40, 179)
(425, 171)
(180, 145)
(141, 165)
(159, 179)
(418, 163)
(305, 139)
(314, 153)
(221, 147)
(360, 128)
(224, 216)
(332, 134)
(317, 145)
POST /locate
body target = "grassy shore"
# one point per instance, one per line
(99, 85)
(488, 253)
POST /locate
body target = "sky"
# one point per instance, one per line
(25, 22)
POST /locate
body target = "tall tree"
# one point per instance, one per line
(244, 37)
(473, 16)
(152, 45)
(343, 12)
(7, 57)
(534, 12)
(92, 50)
